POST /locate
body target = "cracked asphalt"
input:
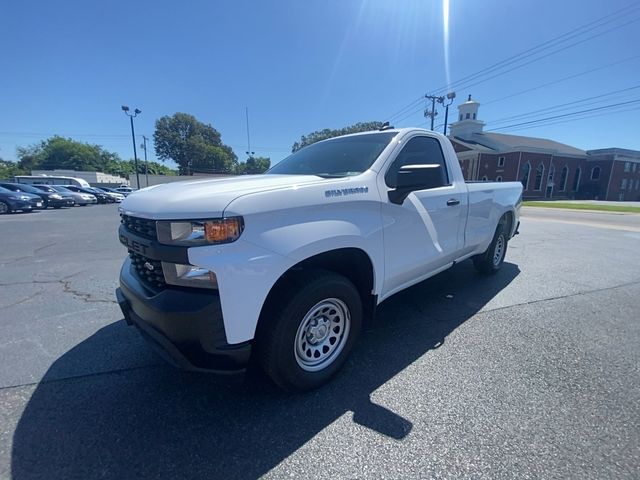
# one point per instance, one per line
(531, 373)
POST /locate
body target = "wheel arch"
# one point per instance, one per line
(350, 262)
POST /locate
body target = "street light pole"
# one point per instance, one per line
(146, 164)
(450, 97)
(131, 116)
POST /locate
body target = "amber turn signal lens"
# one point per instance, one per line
(223, 231)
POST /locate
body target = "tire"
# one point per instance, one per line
(491, 260)
(295, 346)
(4, 208)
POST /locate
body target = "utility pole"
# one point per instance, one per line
(131, 116)
(432, 114)
(248, 152)
(146, 164)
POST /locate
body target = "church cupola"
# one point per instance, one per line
(468, 122)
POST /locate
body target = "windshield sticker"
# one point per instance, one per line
(342, 192)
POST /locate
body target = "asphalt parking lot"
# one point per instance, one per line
(532, 373)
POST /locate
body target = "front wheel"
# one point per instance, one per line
(4, 208)
(309, 333)
(491, 260)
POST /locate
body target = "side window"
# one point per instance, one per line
(418, 151)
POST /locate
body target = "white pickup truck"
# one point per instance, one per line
(284, 268)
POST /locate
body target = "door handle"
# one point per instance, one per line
(452, 202)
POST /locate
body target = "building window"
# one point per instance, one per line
(627, 167)
(485, 178)
(460, 117)
(474, 116)
(623, 184)
(524, 175)
(537, 185)
(498, 178)
(633, 169)
(500, 161)
(595, 173)
(467, 117)
(637, 184)
(563, 178)
(576, 179)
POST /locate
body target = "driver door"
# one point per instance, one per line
(424, 231)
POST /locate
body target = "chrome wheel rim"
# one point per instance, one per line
(498, 251)
(322, 334)
(3, 208)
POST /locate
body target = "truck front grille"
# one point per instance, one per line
(142, 226)
(148, 271)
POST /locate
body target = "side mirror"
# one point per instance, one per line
(415, 177)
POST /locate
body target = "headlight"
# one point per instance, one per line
(188, 276)
(55, 196)
(200, 232)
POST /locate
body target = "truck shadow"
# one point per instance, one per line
(157, 422)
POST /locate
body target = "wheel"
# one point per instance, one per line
(491, 260)
(4, 208)
(310, 330)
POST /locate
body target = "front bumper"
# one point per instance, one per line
(64, 202)
(184, 325)
(24, 205)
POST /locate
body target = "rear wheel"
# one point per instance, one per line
(4, 208)
(491, 260)
(308, 334)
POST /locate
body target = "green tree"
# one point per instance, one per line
(253, 165)
(318, 135)
(65, 153)
(9, 169)
(193, 145)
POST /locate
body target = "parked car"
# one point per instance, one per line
(126, 191)
(81, 199)
(116, 196)
(49, 199)
(320, 240)
(14, 201)
(67, 199)
(102, 197)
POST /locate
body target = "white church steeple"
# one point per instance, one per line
(467, 123)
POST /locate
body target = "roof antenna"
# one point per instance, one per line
(385, 126)
(469, 99)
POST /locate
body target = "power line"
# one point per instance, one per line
(567, 115)
(591, 26)
(549, 54)
(582, 117)
(562, 106)
(410, 109)
(522, 92)
(402, 110)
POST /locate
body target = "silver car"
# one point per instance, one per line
(82, 199)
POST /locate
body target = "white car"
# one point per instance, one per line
(286, 267)
(117, 196)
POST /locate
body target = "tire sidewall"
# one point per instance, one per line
(499, 233)
(288, 373)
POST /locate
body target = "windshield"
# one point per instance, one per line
(62, 189)
(338, 157)
(23, 188)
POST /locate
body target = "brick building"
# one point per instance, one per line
(547, 169)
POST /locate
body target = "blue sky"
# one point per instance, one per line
(300, 66)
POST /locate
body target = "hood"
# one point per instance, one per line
(204, 198)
